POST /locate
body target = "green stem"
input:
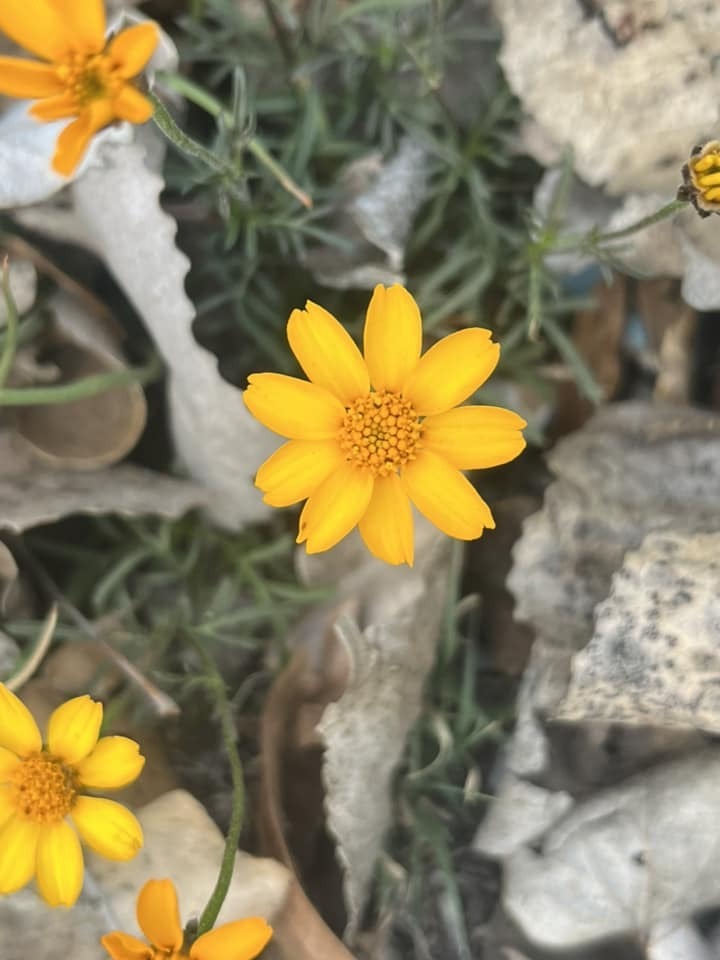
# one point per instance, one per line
(669, 210)
(229, 735)
(79, 389)
(11, 330)
(207, 102)
(185, 143)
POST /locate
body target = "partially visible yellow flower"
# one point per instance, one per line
(43, 806)
(370, 435)
(701, 179)
(81, 76)
(158, 917)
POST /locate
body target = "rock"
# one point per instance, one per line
(653, 657)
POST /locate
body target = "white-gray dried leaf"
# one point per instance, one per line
(374, 220)
(34, 496)
(623, 862)
(519, 813)
(364, 731)
(217, 440)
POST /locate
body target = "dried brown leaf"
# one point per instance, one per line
(90, 433)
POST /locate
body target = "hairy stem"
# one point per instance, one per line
(216, 685)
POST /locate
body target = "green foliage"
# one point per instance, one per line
(164, 583)
(299, 93)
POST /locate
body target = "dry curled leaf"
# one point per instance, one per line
(31, 496)
(218, 441)
(90, 433)
(391, 648)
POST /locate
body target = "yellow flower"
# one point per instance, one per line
(42, 786)
(82, 76)
(369, 436)
(701, 179)
(158, 917)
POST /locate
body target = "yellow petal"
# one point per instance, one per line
(387, 525)
(114, 763)
(121, 946)
(452, 370)
(8, 763)
(242, 940)
(108, 827)
(473, 437)
(393, 337)
(59, 865)
(296, 470)
(18, 844)
(73, 729)
(131, 49)
(446, 497)
(7, 804)
(25, 78)
(335, 508)
(37, 26)
(86, 20)
(74, 139)
(293, 408)
(158, 915)
(327, 353)
(18, 730)
(59, 107)
(132, 106)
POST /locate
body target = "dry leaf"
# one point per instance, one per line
(216, 438)
(290, 817)
(84, 434)
(30, 496)
(670, 326)
(653, 657)
(633, 860)
(23, 287)
(380, 200)
(520, 813)
(365, 729)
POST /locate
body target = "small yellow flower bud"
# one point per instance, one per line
(701, 178)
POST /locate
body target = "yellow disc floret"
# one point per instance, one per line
(89, 77)
(43, 788)
(380, 432)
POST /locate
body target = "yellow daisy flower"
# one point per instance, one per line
(81, 76)
(158, 917)
(42, 786)
(368, 436)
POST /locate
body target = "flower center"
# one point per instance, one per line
(43, 788)
(89, 77)
(705, 174)
(381, 432)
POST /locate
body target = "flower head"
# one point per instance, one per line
(158, 917)
(368, 436)
(43, 806)
(81, 76)
(701, 179)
